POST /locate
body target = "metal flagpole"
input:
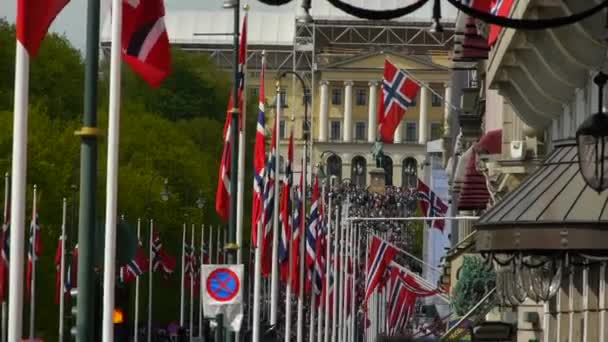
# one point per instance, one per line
(112, 175)
(256, 283)
(192, 271)
(327, 271)
(219, 250)
(334, 316)
(355, 261)
(211, 244)
(320, 312)
(311, 332)
(18, 184)
(150, 278)
(367, 308)
(288, 289)
(302, 272)
(341, 278)
(62, 269)
(136, 315)
(274, 286)
(33, 279)
(200, 307)
(4, 327)
(181, 297)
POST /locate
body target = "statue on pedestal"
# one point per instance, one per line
(378, 154)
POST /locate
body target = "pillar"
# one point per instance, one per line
(348, 111)
(323, 111)
(446, 110)
(398, 137)
(424, 115)
(372, 113)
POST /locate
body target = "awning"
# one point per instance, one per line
(474, 194)
(552, 209)
(490, 143)
(468, 44)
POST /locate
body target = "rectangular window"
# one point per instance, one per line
(336, 96)
(410, 132)
(436, 101)
(282, 130)
(361, 98)
(360, 130)
(436, 130)
(335, 130)
(283, 98)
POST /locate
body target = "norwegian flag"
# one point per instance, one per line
(58, 254)
(298, 226)
(259, 161)
(319, 268)
(204, 254)
(398, 94)
(192, 277)
(285, 219)
(311, 236)
(501, 8)
(269, 203)
(188, 254)
(222, 196)
(134, 268)
(4, 260)
(380, 255)
(34, 250)
(145, 43)
(432, 205)
(161, 261)
(33, 20)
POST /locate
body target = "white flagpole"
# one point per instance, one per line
(274, 286)
(256, 283)
(112, 175)
(181, 297)
(288, 291)
(219, 249)
(211, 243)
(62, 270)
(334, 317)
(150, 279)
(355, 261)
(33, 280)
(18, 184)
(200, 307)
(4, 327)
(341, 279)
(300, 319)
(192, 285)
(320, 312)
(367, 308)
(327, 272)
(136, 315)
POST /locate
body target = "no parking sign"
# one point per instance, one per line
(223, 293)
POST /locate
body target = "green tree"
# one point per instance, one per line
(475, 280)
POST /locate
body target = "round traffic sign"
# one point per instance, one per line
(223, 285)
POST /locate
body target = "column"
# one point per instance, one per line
(372, 124)
(323, 111)
(348, 111)
(398, 137)
(446, 109)
(424, 114)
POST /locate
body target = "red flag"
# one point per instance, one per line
(134, 268)
(298, 228)
(145, 44)
(58, 271)
(269, 203)
(398, 93)
(259, 161)
(432, 205)
(501, 8)
(285, 214)
(161, 261)
(34, 250)
(311, 236)
(33, 20)
(380, 255)
(222, 196)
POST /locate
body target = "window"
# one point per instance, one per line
(358, 171)
(410, 132)
(410, 170)
(436, 100)
(283, 98)
(436, 130)
(360, 130)
(282, 129)
(361, 95)
(255, 92)
(334, 166)
(335, 130)
(336, 96)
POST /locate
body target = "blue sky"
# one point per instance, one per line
(72, 20)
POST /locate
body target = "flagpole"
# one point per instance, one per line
(367, 307)
(4, 327)
(219, 250)
(192, 284)
(112, 174)
(288, 287)
(257, 282)
(334, 317)
(181, 297)
(341, 279)
(211, 244)
(150, 278)
(136, 315)
(62, 270)
(18, 184)
(274, 286)
(320, 312)
(33, 279)
(300, 321)
(241, 162)
(200, 307)
(355, 261)
(327, 268)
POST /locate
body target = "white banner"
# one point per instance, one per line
(223, 293)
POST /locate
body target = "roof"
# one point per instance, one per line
(553, 203)
(264, 28)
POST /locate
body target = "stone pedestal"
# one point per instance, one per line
(378, 180)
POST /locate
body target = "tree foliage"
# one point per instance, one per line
(475, 280)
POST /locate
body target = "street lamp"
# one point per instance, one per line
(592, 142)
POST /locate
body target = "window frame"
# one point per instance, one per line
(331, 130)
(360, 94)
(358, 124)
(336, 101)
